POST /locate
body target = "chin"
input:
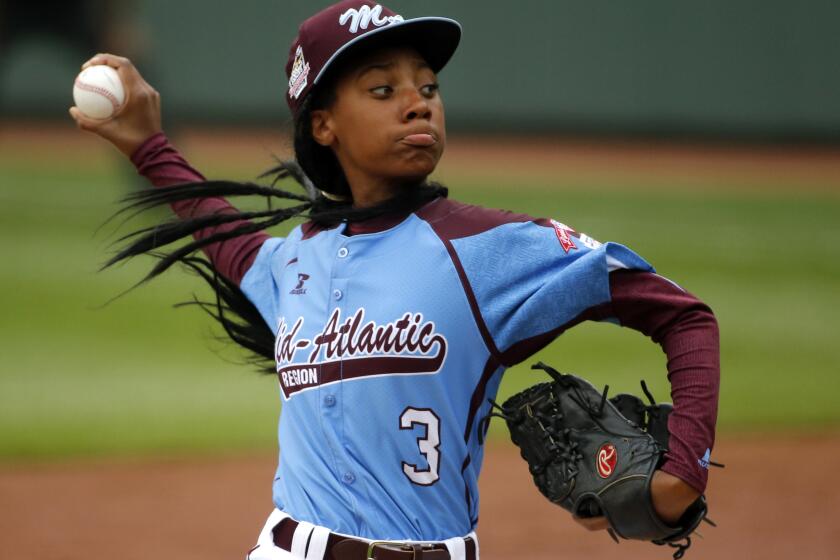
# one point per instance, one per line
(419, 168)
(417, 176)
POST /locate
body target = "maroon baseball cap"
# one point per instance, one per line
(333, 32)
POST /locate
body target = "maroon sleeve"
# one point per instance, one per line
(163, 165)
(688, 333)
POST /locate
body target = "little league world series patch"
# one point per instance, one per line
(300, 75)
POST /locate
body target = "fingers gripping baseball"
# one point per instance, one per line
(139, 116)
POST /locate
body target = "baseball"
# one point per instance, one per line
(98, 92)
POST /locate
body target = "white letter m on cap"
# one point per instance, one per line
(364, 16)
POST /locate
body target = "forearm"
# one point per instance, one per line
(162, 164)
(688, 333)
(693, 352)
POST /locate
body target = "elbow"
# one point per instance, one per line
(697, 316)
(707, 319)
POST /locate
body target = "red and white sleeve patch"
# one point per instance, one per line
(564, 235)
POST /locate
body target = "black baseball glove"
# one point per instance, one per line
(594, 455)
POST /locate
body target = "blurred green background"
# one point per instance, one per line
(134, 376)
(81, 378)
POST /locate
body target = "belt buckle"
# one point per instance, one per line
(404, 545)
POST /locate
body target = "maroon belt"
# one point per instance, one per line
(347, 548)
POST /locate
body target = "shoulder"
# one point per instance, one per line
(451, 219)
(272, 249)
(310, 229)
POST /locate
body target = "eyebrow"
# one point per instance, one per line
(419, 63)
(375, 66)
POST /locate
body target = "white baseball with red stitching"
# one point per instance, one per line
(98, 92)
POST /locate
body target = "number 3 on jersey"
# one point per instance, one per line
(429, 445)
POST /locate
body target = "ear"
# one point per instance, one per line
(322, 127)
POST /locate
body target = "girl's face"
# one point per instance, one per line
(386, 126)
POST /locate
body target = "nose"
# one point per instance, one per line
(416, 107)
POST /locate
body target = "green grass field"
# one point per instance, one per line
(136, 376)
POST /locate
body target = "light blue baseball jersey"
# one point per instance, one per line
(389, 344)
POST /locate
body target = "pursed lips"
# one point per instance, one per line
(420, 139)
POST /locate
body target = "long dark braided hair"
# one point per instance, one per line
(315, 171)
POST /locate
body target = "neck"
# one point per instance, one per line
(369, 199)
(404, 201)
(371, 193)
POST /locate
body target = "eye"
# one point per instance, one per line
(429, 90)
(382, 91)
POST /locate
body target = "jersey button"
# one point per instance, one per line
(343, 252)
(348, 478)
(329, 400)
(337, 294)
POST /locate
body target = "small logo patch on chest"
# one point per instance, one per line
(299, 289)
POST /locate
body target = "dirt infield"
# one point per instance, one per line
(205, 509)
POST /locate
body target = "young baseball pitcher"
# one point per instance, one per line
(390, 315)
